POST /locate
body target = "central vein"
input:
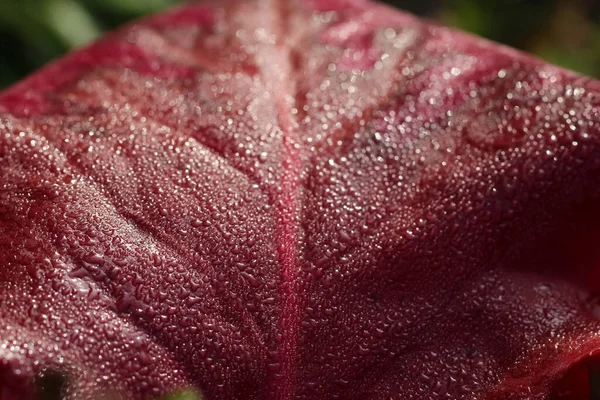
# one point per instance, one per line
(277, 72)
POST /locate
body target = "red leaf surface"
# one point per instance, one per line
(299, 200)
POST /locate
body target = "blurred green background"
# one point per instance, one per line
(565, 32)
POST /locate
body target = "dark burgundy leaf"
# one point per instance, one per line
(299, 199)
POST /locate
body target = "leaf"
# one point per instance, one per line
(299, 199)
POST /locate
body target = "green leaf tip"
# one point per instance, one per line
(187, 394)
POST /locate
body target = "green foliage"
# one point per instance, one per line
(565, 32)
(183, 395)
